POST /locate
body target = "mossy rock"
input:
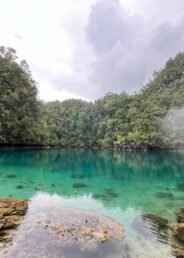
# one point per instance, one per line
(178, 231)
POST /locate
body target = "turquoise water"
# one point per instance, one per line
(121, 185)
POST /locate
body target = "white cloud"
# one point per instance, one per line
(51, 36)
(48, 93)
(44, 28)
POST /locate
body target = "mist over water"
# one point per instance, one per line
(173, 127)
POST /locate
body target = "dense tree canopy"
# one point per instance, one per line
(19, 107)
(113, 120)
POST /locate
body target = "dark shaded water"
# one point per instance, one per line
(121, 185)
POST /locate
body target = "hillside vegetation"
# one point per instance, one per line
(139, 120)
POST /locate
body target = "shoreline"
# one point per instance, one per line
(55, 146)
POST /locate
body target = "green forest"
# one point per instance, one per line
(145, 119)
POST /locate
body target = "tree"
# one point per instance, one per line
(112, 120)
(18, 103)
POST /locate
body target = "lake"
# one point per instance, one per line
(121, 185)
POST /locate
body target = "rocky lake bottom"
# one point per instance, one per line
(140, 194)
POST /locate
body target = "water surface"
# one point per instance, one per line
(121, 185)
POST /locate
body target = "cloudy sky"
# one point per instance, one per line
(86, 48)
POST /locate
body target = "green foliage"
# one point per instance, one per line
(69, 122)
(112, 120)
(19, 112)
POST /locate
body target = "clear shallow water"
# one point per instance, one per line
(121, 185)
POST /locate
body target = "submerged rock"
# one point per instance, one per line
(180, 187)
(50, 230)
(99, 196)
(37, 188)
(11, 176)
(79, 185)
(110, 192)
(85, 229)
(107, 195)
(155, 220)
(164, 195)
(19, 187)
(103, 197)
(77, 176)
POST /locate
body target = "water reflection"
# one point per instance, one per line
(91, 163)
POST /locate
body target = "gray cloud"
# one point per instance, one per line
(126, 48)
(108, 24)
(134, 51)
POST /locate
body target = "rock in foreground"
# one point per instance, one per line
(178, 231)
(178, 252)
(84, 228)
(11, 215)
(50, 230)
(180, 216)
